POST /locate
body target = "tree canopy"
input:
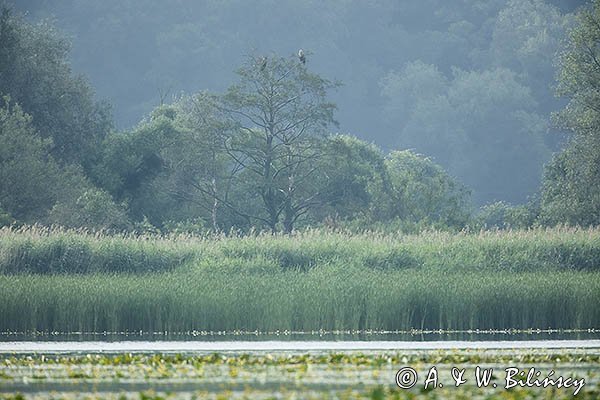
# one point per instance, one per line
(35, 71)
(571, 193)
(443, 109)
(136, 57)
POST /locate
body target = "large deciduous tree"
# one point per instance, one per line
(278, 110)
(24, 166)
(350, 172)
(202, 172)
(36, 189)
(571, 193)
(35, 72)
(420, 190)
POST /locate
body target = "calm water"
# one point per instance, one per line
(310, 336)
(271, 345)
(240, 341)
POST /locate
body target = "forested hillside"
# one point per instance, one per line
(405, 115)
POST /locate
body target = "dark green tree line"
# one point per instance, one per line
(571, 190)
(258, 156)
(133, 53)
(51, 133)
(35, 71)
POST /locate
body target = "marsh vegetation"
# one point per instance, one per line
(65, 281)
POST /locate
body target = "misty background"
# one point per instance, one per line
(403, 116)
(468, 83)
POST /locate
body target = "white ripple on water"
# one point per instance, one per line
(271, 345)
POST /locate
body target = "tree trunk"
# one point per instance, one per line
(215, 205)
(268, 192)
(289, 214)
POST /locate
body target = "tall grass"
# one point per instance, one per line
(311, 281)
(47, 251)
(41, 250)
(324, 298)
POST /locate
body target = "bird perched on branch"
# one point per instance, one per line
(262, 63)
(301, 56)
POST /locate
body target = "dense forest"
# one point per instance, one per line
(200, 116)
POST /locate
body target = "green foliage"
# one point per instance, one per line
(482, 126)
(470, 93)
(201, 171)
(324, 374)
(571, 193)
(278, 111)
(206, 167)
(348, 171)
(145, 227)
(42, 251)
(415, 81)
(312, 281)
(5, 218)
(93, 209)
(35, 72)
(133, 58)
(47, 114)
(361, 189)
(25, 167)
(34, 188)
(193, 227)
(526, 36)
(133, 166)
(501, 215)
(579, 74)
(132, 159)
(420, 190)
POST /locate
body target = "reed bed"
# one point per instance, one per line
(327, 298)
(56, 280)
(48, 251)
